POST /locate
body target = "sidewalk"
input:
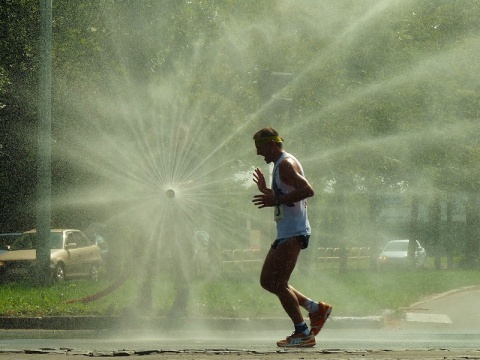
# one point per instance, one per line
(226, 354)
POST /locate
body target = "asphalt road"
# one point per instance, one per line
(455, 310)
(445, 326)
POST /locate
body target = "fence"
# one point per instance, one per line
(239, 260)
(242, 260)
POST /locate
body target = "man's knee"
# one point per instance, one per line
(272, 285)
(266, 284)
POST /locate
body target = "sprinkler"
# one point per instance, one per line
(170, 193)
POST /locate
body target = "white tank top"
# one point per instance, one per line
(292, 219)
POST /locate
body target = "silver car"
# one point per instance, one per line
(72, 255)
(396, 253)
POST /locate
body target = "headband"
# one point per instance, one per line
(266, 140)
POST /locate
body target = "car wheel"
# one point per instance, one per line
(59, 273)
(94, 273)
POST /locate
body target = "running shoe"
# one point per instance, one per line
(298, 340)
(318, 318)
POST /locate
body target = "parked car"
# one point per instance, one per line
(395, 253)
(7, 239)
(72, 255)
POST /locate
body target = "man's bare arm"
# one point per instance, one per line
(290, 174)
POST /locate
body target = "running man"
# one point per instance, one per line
(288, 195)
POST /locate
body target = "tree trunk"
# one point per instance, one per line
(472, 235)
(412, 244)
(448, 236)
(435, 232)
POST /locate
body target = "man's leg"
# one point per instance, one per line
(276, 271)
(318, 312)
(300, 297)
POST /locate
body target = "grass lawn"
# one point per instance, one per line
(356, 293)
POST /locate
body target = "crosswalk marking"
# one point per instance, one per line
(431, 318)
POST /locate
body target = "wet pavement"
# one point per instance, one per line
(331, 343)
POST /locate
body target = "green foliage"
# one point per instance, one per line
(383, 96)
(23, 299)
(372, 73)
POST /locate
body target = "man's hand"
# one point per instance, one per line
(264, 200)
(268, 197)
(259, 179)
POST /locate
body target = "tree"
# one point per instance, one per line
(384, 94)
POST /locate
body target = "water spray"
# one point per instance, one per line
(170, 193)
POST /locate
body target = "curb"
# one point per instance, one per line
(441, 295)
(118, 323)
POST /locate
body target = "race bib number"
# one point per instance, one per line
(279, 212)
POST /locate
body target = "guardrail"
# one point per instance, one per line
(245, 259)
(242, 259)
(335, 253)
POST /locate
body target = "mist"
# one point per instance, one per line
(155, 110)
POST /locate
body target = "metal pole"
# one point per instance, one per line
(44, 176)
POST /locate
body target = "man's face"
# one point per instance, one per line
(265, 150)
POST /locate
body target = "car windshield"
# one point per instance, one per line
(28, 241)
(397, 246)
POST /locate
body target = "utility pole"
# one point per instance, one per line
(44, 150)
